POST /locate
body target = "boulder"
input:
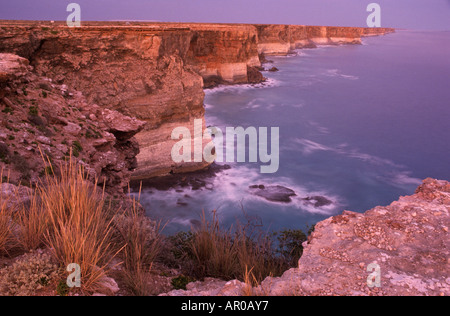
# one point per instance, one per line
(275, 193)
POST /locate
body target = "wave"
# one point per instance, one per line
(309, 147)
(335, 73)
(392, 173)
(229, 190)
(240, 88)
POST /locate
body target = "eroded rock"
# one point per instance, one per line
(407, 242)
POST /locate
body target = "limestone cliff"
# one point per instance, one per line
(139, 71)
(223, 54)
(156, 72)
(408, 240)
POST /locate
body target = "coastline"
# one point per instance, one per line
(67, 75)
(181, 58)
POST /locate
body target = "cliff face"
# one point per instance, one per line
(223, 54)
(281, 39)
(408, 240)
(140, 72)
(156, 72)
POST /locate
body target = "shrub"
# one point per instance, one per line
(139, 239)
(33, 111)
(180, 283)
(291, 245)
(62, 289)
(8, 110)
(212, 251)
(242, 253)
(4, 151)
(27, 275)
(76, 149)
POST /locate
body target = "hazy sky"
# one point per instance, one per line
(413, 14)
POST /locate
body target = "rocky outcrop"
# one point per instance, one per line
(42, 120)
(406, 243)
(156, 72)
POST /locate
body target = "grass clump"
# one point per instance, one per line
(8, 110)
(79, 224)
(62, 289)
(76, 148)
(235, 253)
(180, 283)
(6, 225)
(141, 243)
(32, 222)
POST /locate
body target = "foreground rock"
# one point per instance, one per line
(408, 240)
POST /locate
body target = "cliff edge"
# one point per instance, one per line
(156, 72)
(407, 240)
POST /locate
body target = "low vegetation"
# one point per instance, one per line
(67, 218)
(243, 252)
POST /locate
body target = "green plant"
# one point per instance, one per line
(76, 149)
(32, 223)
(62, 289)
(4, 150)
(291, 244)
(48, 170)
(180, 283)
(6, 227)
(22, 165)
(33, 111)
(8, 110)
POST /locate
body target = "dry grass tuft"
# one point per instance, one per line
(213, 250)
(6, 225)
(32, 224)
(79, 225)
(230, 254)
(140, 239)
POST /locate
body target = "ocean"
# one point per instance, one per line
(360, 125)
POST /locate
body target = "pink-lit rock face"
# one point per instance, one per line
(156, 72)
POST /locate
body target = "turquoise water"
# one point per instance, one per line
(360, 125)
